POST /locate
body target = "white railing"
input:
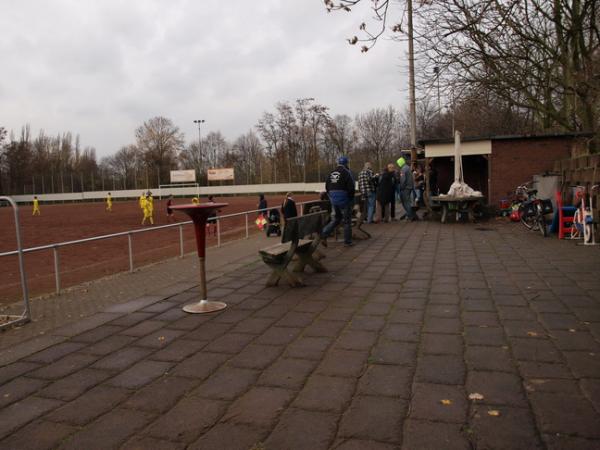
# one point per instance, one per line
(56, 246)
(25, 316)
(204, 191)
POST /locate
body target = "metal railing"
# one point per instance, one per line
(55, 247)
(25, 316)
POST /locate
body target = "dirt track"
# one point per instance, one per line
(88, 261)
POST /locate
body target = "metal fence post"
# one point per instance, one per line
(218, 232)
(130, 252)
(56, 269)
(247, 230)
(181, 241)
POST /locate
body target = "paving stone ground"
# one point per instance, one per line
(382, 352)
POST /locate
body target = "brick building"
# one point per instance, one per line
(496, 165)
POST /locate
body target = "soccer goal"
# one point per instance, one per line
(177, 185)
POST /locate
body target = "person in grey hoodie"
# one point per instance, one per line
(406, 186)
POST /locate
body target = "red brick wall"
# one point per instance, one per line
(515, 161)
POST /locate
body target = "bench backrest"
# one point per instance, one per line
(298, 227)
(315, 206)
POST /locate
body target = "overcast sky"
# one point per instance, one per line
(100, 68)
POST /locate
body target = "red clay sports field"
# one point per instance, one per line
(89, 261)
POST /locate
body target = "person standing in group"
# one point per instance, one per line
(366, 186)
(340, 188)
(288, 208)
(406, 188)
(109, 202)
(170, 216)
(36, 206)
(386, 194)
(262, 204)
(148, 209)
(211, 219)
(419, 181)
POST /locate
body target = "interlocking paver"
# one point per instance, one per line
(378, 418)
(40, 435)
(421, 434)
(109, 431)
(511, 429)
(89, 405)
(291, 431)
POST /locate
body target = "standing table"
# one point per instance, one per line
(199, 213)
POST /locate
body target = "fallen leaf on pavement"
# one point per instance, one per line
(475, 396)
(493, 412)
(531, 333)
(446, 402)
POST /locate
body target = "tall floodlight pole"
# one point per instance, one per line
(200, 122)
(411, 82)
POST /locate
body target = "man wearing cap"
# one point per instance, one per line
(340, 188)
(406, 186)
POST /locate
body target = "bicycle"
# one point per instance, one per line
(532, 211)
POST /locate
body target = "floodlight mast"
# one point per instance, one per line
(200, 122)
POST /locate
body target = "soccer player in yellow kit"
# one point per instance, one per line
(109, 202)
(148, 209)
(36, 206)
(142, 202)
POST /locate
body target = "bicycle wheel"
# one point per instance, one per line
(542, 225)
(529, 222)
(526, 220)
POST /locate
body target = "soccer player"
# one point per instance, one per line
(109, 202)
(195, 200)
(148, 209)
(170, 217)
(36, 206)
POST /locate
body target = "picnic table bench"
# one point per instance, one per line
(458, 204)
(293, 244)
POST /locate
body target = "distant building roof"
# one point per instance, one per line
(424, 142)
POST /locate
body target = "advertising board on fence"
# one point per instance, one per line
(220, 174)
(183, 176)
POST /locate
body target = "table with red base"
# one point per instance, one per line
(199, 213)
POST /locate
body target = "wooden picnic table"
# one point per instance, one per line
(458, 204)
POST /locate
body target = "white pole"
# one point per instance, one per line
(457, 157)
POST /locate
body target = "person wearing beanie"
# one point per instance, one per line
(406, 186)
(340, 188)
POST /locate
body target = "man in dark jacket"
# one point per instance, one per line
(340, 188)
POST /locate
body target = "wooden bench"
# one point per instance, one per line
(279, 256)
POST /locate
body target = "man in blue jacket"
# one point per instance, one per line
(340, 188)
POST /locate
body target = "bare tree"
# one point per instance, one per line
(535, 55)
(338, 138)
(160, 142)
(249, 150)
(377, 130)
